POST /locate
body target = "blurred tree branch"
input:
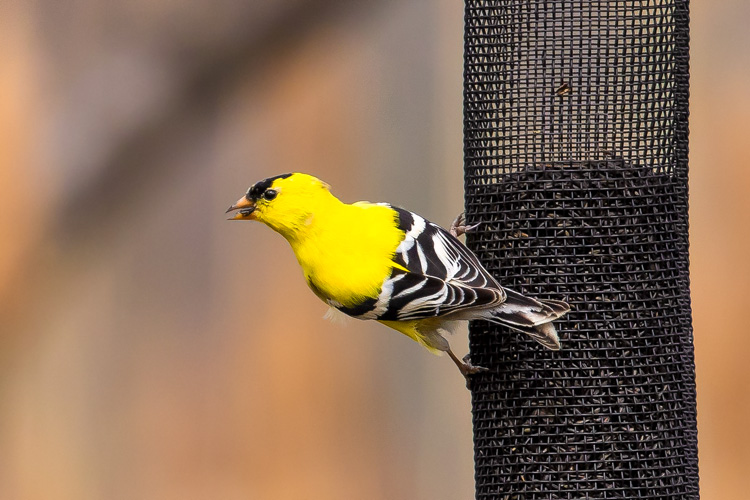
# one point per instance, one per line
(129, 171)
(133, 170)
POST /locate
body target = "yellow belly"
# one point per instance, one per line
(423, 331)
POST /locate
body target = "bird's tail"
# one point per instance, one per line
(530, 316)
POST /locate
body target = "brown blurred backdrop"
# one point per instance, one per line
(148, 348)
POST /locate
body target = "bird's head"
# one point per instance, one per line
(286, 203)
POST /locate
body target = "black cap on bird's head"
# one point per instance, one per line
(248, 203)
(260, 188)
(286, 203)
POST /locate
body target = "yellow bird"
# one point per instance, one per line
(376, 261)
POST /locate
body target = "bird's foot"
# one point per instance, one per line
(468, 370)
(459, 227)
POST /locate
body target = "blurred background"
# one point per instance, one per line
(150, 349)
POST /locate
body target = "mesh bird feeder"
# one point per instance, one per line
(576, 166)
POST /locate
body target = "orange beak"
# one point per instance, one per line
(245, 207)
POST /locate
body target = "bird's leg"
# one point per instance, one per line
(459, 227)
(466, 368)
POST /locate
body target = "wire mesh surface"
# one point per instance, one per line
(575, 120)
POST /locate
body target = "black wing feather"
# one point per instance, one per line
(442, 277)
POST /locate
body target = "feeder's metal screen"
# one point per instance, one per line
(575, 119)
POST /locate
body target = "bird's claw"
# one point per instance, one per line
(468, 370)
(459, 227)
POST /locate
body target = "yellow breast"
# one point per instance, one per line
(347, 252)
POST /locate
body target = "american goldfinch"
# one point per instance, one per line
(376, 261)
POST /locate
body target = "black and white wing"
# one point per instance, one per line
(434, 275)
(430, 250)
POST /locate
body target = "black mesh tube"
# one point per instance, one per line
(576, 146)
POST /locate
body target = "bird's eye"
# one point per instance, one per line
(270, 194)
